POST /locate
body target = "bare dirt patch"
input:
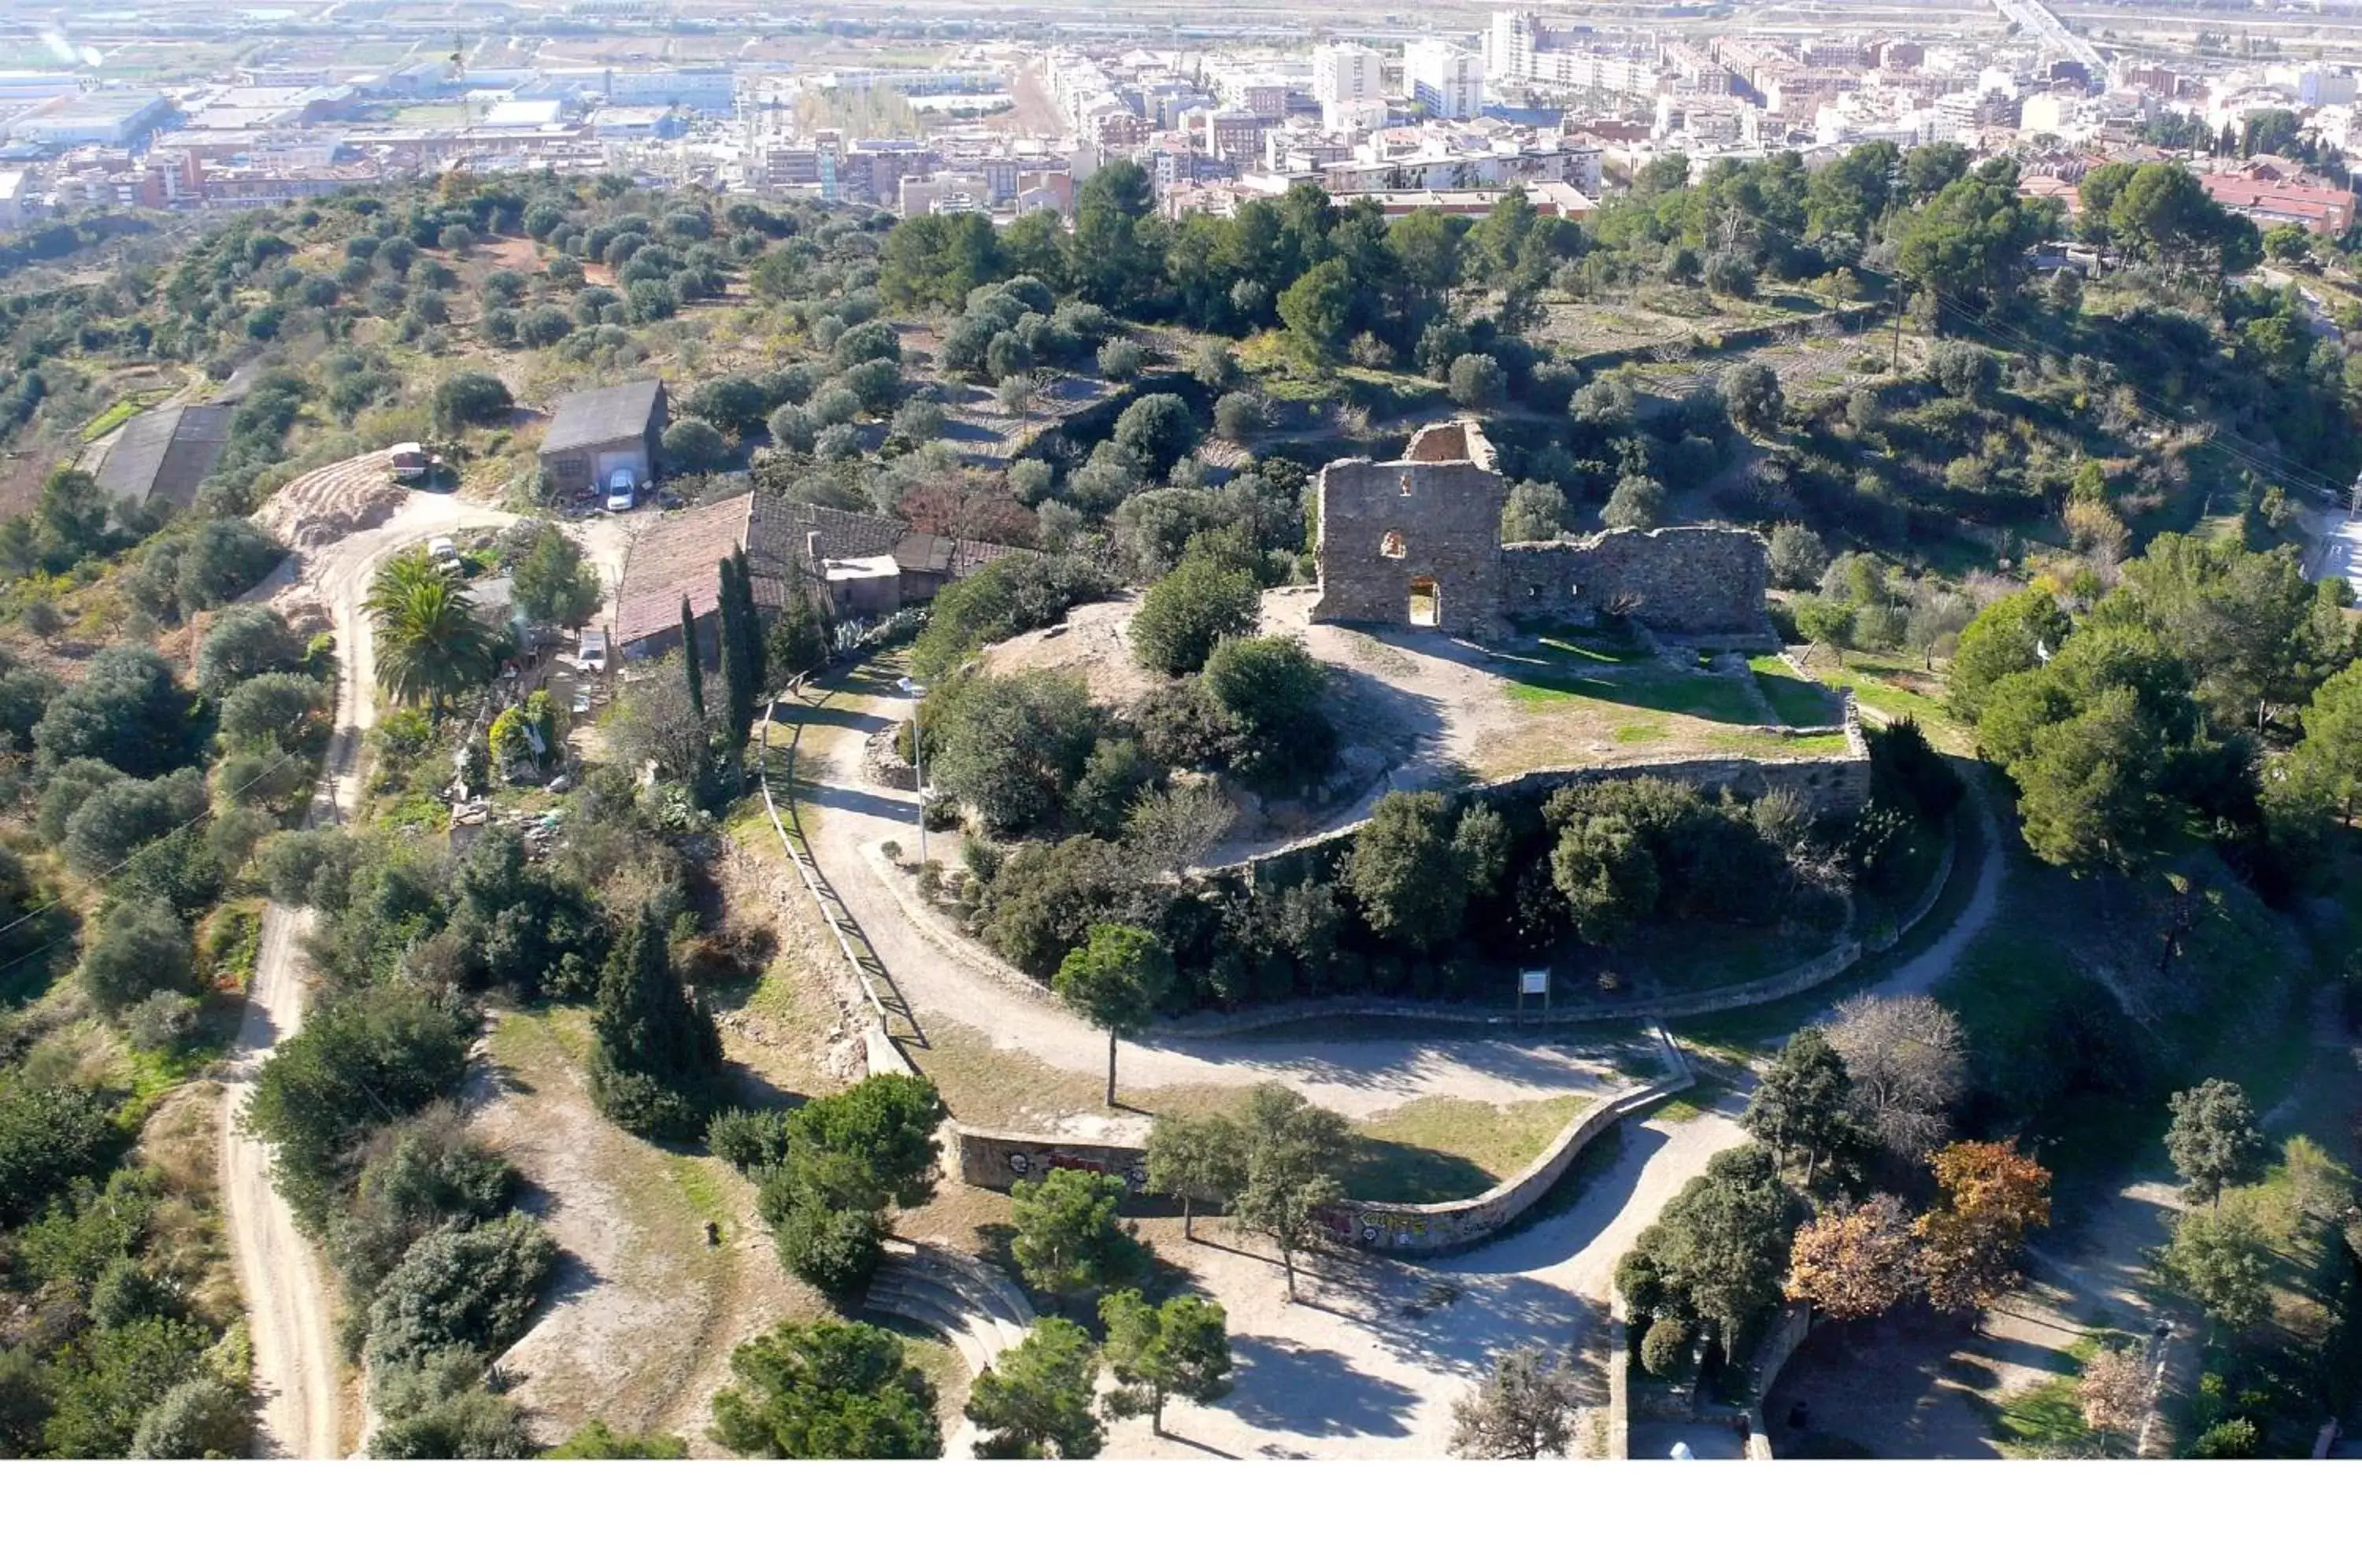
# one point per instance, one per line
(1093, 641)
(638, 1330)
(327, 503)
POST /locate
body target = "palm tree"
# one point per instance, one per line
(429, 643)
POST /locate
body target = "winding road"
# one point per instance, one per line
(297, 1371)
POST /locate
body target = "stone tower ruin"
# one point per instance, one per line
(1417, 543)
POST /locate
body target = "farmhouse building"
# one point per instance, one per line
(596, 433)
(855, 566)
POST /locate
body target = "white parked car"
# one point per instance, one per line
(623, 491)
(590, 653)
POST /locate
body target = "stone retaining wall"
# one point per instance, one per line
(1828, 786)
(1780, 1342)
(984, 1157)
(1426, 1229)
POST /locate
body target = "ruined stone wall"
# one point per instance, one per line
(1448, 515)
(1688, 582)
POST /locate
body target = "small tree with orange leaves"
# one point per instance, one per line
(1969, 1246)
(1855, 1263)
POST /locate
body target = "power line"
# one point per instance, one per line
(104, 876)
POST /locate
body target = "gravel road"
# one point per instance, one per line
(296, 1369)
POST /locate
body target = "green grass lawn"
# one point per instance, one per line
(2046, 1421)
(1627, 678)
(1429, 1150)
(1437, 1149)
(1897, 688)
(1801, 704)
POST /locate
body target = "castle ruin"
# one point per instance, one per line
(1418, 543)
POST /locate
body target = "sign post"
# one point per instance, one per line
(1534, 983)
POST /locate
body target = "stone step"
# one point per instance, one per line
(902, 1298)
(978, 1281)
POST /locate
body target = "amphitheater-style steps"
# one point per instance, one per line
(980, 1310)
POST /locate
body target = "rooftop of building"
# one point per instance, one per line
(602, 414)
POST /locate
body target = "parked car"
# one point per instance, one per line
(623, 491)
(590, 653)
(445, 554)
(410, 461)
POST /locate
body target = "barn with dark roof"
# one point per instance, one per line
(166, 453)
(595, 432)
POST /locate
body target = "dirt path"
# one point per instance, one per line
(1359, 1071)
(296, 1368)
(1923, 973)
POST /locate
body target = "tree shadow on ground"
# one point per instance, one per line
(1405, 1172)
(1281, 1384)
(837, 719)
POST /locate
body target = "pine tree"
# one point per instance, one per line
(737, 679)
(689, 665)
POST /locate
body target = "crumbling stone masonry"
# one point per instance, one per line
(1418, 543)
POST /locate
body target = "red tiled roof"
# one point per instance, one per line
(678, 555)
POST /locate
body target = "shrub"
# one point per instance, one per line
(245, 641)
(748, 1140)
(471, 397)
(1639, 501)
(1158, 430)
(126, 710)
(1012, 746)
(460, 1287)
(1271, 690)
(108, 827)
(225, 557)
(826, 1391)
(166, 1024)
(2234, 1439)
(359, 1063)
(1798, 556)
(1238, 416)
(1752, 394)
(834, 1250)
(1120, 360)
(1189, 609)
(1477, 380)
(439, 1409)
(694, 446)
(203, 1417)
(139, 950)
(1665, 1347)
(50, 1136)
(272, 710)
(1535, 510)
(1964, 370)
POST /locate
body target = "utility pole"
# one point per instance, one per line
(917, 693)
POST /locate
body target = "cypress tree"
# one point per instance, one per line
(654, 1049)
(750, 627)
(737, 683)
(689, 665)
